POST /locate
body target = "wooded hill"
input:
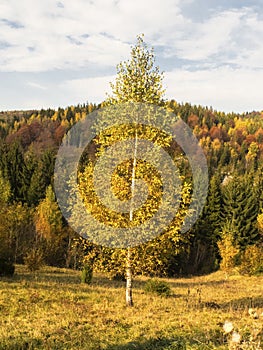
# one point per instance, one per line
(229, 232)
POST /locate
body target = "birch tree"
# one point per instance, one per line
(134, 146)
(138, 81)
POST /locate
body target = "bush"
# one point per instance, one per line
(7, 255)
(252, 260)
(34, 259)
(158, 287)
(86, 274)
(117, 276)
(7, 267)
(228, 252)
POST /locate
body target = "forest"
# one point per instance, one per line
(228, 234)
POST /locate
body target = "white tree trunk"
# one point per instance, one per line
(129, 301)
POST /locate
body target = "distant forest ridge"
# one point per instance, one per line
(28, 112)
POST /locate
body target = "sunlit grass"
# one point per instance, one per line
(51, 309)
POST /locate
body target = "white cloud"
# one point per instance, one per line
(208, 38)
(78, 35)
(225, 89)
(52, 37)
(91, 89)
(249, 44)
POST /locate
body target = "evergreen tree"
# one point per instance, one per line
(240, 210)
(41, 178)
(207, 230)
(225, 156)
(15, 170)
(213, 208)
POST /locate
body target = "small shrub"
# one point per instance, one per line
(34, 259)
(7, 267)
(86, 274)
(252, 260)
(229, 253)
(117, 276)
(158, 287)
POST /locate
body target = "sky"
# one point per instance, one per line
(60, 53)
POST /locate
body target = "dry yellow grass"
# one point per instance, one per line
(51, 309)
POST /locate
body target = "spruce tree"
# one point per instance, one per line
(207, 228)
(42, 174)
(15, 170)
(240, 210)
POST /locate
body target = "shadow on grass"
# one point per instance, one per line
(152, 344)
(53, 275)
(46, 280)
(235, 304)
(192, 284)
(199, 340)
(61, 277)
(176, 343)
(13, 343)
(70, 279)
(243, 303)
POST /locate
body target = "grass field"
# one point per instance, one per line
(51, 309)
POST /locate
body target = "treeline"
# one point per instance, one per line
(229, 232)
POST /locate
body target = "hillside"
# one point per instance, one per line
(232, 143)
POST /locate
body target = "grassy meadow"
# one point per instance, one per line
(51, 309)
